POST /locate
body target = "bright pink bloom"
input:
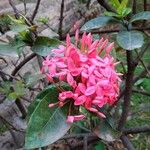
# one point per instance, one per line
(93, 78)
(71, 119)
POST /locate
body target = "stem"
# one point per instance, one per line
(141, 92)
(35, 10)
(134, 7)
(14, 9)
(21, 108)
(126, 142)
(104, 4)
(136, 130)
(61, 19)
(28, 58)
(128, 90)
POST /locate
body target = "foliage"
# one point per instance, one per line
(47, 125)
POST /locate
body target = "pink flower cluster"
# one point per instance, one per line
(93, 78)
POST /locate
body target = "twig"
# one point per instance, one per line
(2, 72)
(108, 31)
(104, 4)
(85, 144)
(141, 92)
(135, 79)
(21, 64)
(81, 135)
(126, 142)
(9, 124)
(142, 62)
(128, 90)
(35, 10)
(137, 130)
(14, 9)
(21, 108)
(145, 5)
(134, 7)
(88, 4)
(61, 19)
(89, 140)
(25, 7)
(141, 75)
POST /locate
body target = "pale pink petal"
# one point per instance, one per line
(82, 87)
(68, 41)
(109, 48)
(51, 105)
(80, 100)
(65, 95)
(101, 115)
(92, 109)
(70, 119)
(90, 90)
(79, 117)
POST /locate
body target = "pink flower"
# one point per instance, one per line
(71, 119)
(93, 78)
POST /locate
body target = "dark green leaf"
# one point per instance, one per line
(105, 132)
(46, 125)
(98, 23)
(100, 146)
(141, 16)
(130, 40)
(43, 45)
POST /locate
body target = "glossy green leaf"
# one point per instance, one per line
(105, 131)
(43, 45)
(98, 22)
(141, 16)
(130, 40)
(46, 125)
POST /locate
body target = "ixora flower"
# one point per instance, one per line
(89, 69)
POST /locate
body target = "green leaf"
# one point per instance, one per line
(19, 27)
(13, 96)
(122, 6)
(99, 146)
(141, 16)
(126, 11)
(98, 23)
(14, 47)
(19, 88)
(111, 14)
(105, 132)
(46, 125)
(17, 21)
(130, 40)
(115, 3)
(43, 45)
(7, 50)
(31, 80)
